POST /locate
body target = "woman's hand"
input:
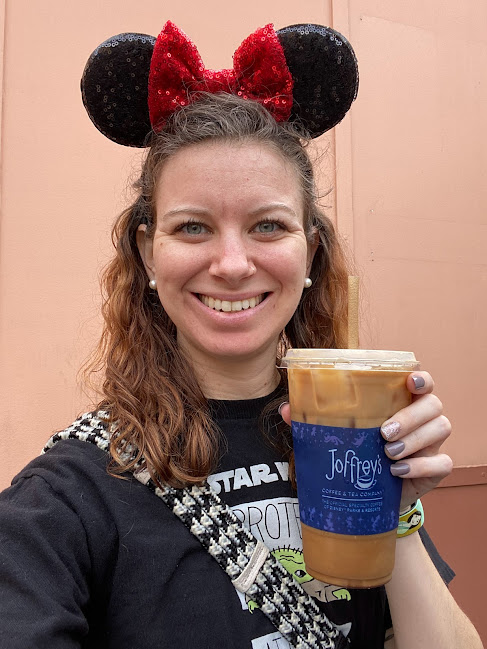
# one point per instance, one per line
(414, 437)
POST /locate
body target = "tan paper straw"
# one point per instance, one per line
(353, 298)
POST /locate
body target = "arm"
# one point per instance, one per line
(423, 611)
(44, 568)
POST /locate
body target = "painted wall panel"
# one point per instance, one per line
(419, 218)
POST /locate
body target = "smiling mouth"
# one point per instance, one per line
(228, 306)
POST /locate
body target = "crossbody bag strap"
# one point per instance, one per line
(247, 561)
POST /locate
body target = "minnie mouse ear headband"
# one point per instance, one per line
(132, 83)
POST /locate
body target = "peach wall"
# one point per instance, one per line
(410, 196)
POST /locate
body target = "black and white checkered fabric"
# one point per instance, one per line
(292, 611)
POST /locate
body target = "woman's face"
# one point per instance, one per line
(229, 252)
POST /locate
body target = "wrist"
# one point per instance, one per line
(408, 508)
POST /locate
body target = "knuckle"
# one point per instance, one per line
(446, 464)
(435, 404)
(444, 426)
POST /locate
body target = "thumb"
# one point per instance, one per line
(285, 412)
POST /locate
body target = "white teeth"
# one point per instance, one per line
(227, 305)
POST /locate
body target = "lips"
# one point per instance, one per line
(228, 305)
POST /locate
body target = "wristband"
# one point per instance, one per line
(411, 520)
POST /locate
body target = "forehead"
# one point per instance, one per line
(225, 172)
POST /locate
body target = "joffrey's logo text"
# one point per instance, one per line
(361, 473)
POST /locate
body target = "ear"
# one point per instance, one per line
(145, 246)
(313, 244)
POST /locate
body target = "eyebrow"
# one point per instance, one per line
(197, 211)
(271, 207)
(200, 211)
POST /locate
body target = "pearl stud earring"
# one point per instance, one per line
(153, 284)
(307, 282)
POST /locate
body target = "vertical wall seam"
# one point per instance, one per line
(340, 13)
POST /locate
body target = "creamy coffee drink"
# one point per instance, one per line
(348, 499)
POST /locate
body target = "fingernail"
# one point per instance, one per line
(400, 468)
(395, 448)
(284, 403)
(391, 429)
(419, 382)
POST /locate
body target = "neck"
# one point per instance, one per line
(234, 379)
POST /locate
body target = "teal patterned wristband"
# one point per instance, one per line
(411, 521)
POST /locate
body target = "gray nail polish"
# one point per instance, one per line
(400, 468)
(395, 448)
(419, 382)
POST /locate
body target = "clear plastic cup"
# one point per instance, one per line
(348, 499)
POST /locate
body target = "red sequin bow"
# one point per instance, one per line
(177, 72)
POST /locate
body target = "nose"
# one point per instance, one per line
(231, 259)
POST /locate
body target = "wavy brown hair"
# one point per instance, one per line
(154, 401)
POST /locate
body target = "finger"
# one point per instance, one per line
(414, 489)
(285, 412)
(426, 407)
(426, 469)
(427, 451)
(420, 383)
(430, 435)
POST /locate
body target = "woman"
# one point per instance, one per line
(206, 291)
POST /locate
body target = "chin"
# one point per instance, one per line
(238, 350)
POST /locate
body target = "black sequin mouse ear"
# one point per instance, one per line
(132, 83)
(114, 88)
(325, 74)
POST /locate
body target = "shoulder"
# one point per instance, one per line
(92, 427)
(73, 469)
(72, 454)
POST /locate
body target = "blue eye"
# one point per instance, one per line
(268, 227)
(193, 228)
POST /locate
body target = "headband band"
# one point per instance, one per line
(132, 83)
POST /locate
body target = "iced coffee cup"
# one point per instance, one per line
(348, 499)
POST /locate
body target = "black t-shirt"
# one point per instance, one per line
(90, 560)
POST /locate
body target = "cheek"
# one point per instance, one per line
(175, 263)
(290, 267)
